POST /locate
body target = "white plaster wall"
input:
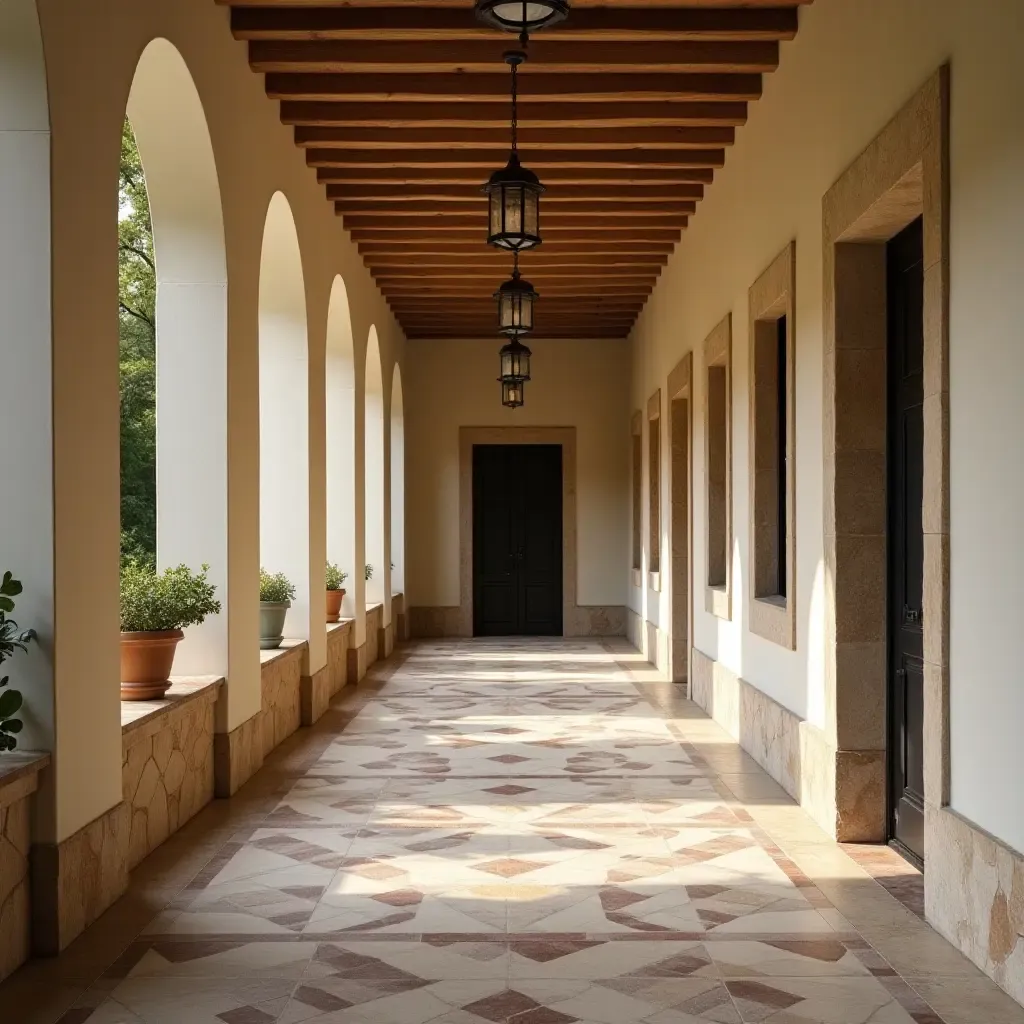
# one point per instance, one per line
(91, 51)
(451, 384)
(851, 68)
(26, 542)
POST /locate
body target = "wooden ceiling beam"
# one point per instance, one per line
(553, 212)
(569, 137)
(423, 249)
(561, 193)
(458, 335)
(442, 224)
(475, 177)
(429, 275)
(426, 24)
(483, 56)
(402, 264)
(405, 87)
(467, 5)
(531, 115)
(611, 233)
(536, 160)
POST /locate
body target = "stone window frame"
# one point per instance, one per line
(771, 297)
(717, 351)
(680, 518)
(903, 174)
(654, 481)
(636, 429)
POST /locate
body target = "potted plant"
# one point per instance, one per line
(368, 572)
(12, 638)
(155, 608)
(334, 579)
(276, 594)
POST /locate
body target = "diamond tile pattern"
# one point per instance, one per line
(505, 833)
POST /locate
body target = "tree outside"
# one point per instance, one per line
(137, 338)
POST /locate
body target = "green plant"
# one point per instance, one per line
(334, 577)
(12, 639)
(275, 588)
(153, 601)
(368, 572)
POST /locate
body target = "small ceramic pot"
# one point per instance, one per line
(334, 599)
(272, 616)
(146, 662)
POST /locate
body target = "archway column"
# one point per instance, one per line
(357, 654)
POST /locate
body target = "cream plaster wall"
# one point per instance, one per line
(451, 384)
(851, 68)
(255, 157)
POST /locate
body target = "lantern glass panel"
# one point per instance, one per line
(531, 212)
(496, 211)
(513, 209)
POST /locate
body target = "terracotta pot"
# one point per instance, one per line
(334, 599)
(272, 616)
(146, 662)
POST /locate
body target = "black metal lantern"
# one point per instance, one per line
(522, 16)
(516, 298)
(515, 362)
(514, 192)
(513, 393)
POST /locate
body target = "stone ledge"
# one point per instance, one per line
(336, 629)
(145, 715)
(15, 768)
(287, 647)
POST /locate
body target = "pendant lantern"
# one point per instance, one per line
(514, 192)
(515, 362)
(516, 299)
(513, 393)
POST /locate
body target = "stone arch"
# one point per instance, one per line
(173, 138)
(375, 471)
(284, 411)
(397, 483)
(341, 432)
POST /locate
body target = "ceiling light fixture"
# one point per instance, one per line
(516, 299)
(514, 192)
(522, 16)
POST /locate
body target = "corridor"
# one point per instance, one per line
(532, 831)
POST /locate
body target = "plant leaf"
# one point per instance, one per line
(10, 703)
(14, 725)
(6, 604)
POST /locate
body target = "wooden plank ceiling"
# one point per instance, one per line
(626, 111)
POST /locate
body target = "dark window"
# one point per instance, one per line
(782, 467)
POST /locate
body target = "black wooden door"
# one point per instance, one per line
(906, 540)
(517, 540)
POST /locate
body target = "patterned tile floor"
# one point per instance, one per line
(531, 832)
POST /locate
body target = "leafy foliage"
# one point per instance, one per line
(275, 588)
(12, 639)
(172, 599)
(368, 572)
(137, 337)
(334, 577)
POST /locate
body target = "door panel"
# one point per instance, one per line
(906, 540)
(517, 540)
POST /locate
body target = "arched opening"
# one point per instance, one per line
(374, 475)
(173, 338)
(397, 485)
(26, 380)
(284, 412)
(341, 423)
